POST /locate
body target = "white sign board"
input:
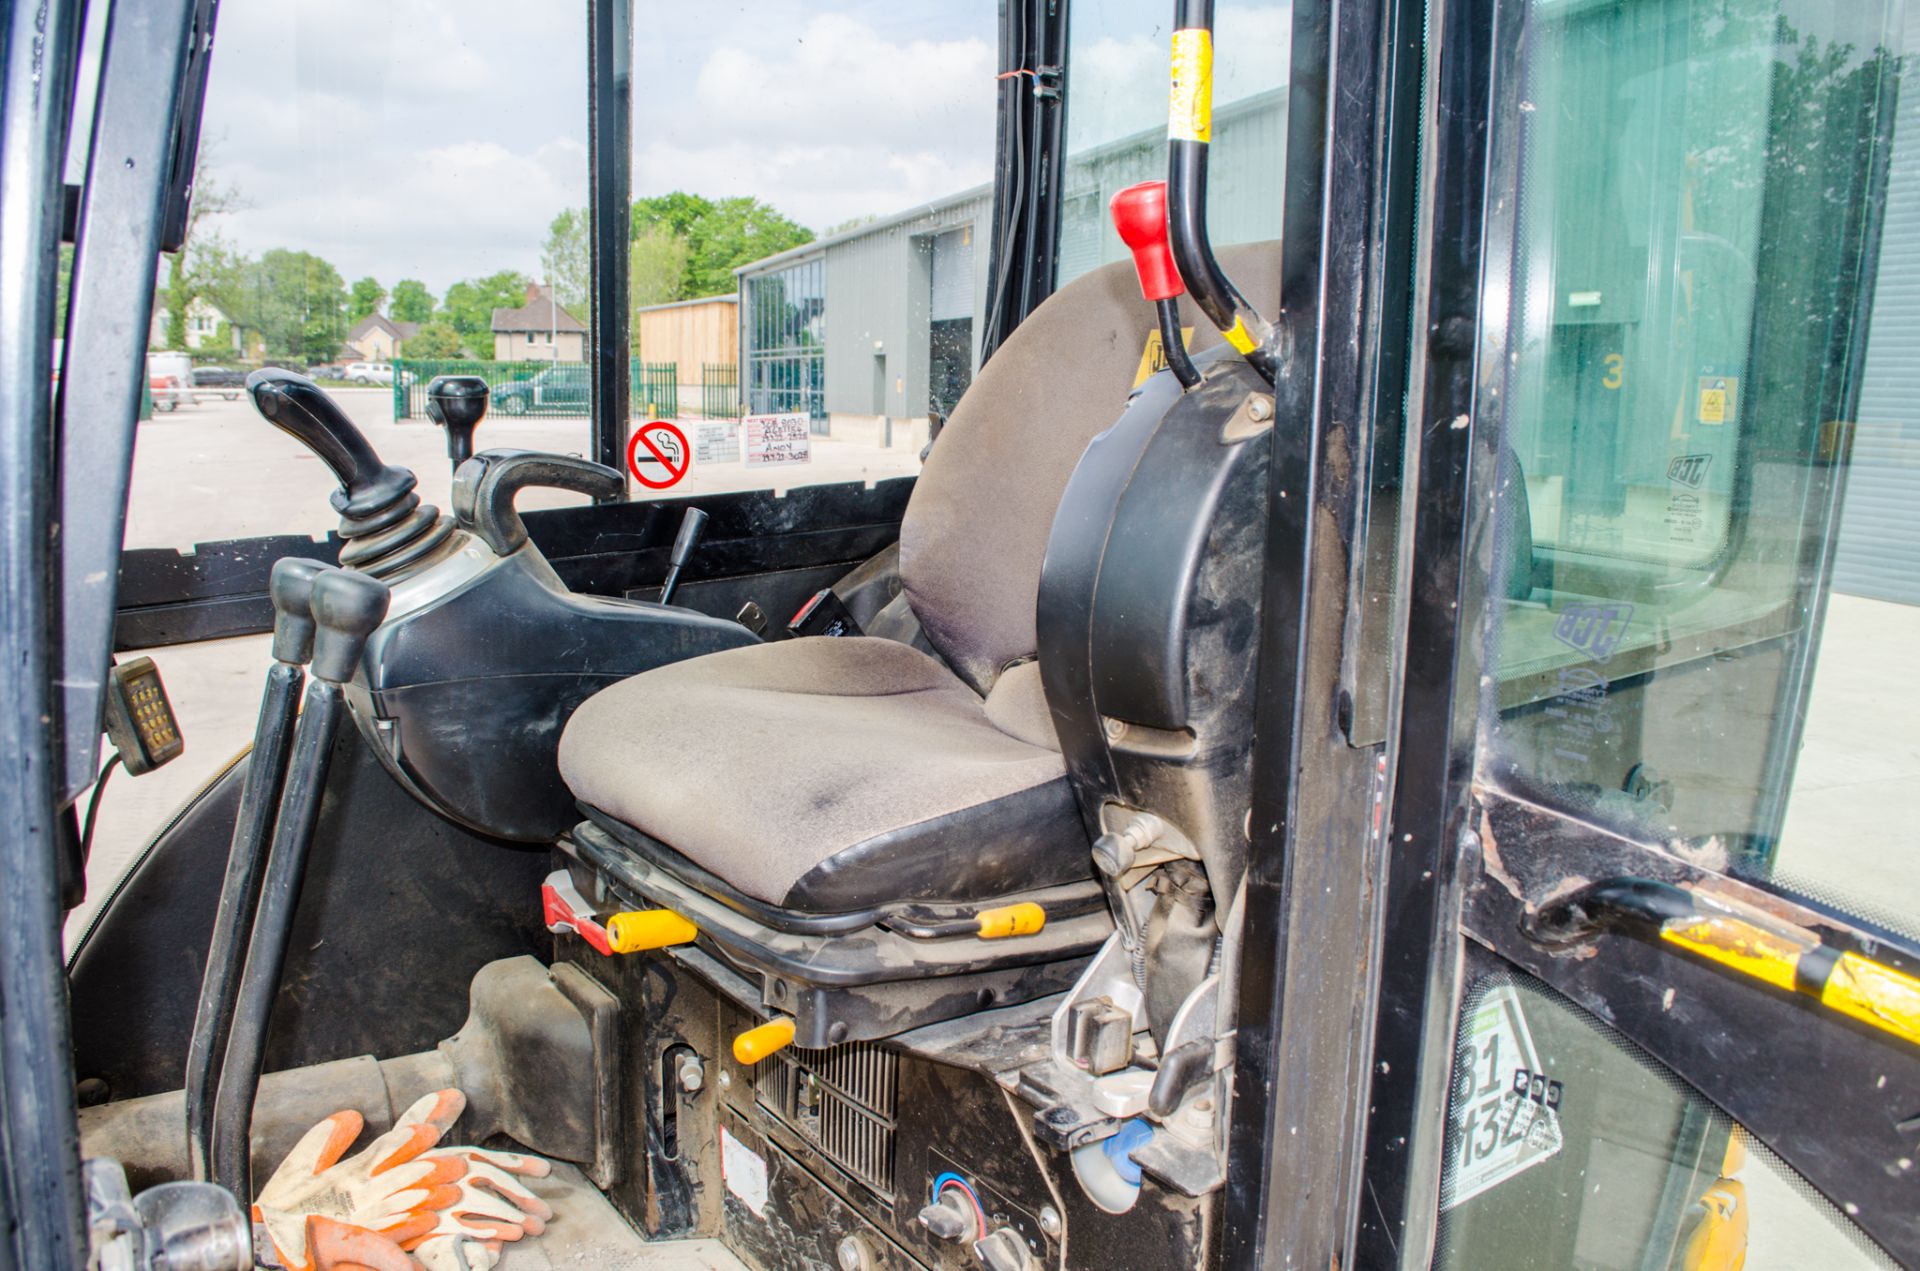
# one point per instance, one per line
(1505, 1110)
(774, 441)
(745, 1171)
(714, 440)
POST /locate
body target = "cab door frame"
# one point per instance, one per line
(1467, 861)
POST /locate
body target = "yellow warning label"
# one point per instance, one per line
(1153, 357)
(1717, 398)
(1190, 99)
(1238, 337)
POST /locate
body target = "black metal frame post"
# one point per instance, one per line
(610, 159)
(1030, 144)
(42, 1217)
(1311, 909)
(1418, 967)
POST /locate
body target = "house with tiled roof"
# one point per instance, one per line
(541, 328)
(378, 338)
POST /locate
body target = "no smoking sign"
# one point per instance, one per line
(658, 456)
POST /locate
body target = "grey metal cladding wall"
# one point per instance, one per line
(879, 288)
(1244, 182)
(1878, 553)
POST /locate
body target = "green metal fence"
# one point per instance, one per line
(719, 390)
(656, 388)
(534, 387)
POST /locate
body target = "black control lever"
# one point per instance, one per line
(692, 526)
(346, 608)
(291, 588)
(485, 485)
(385, 525)
(457, 403)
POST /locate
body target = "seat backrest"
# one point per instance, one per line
(976, 528)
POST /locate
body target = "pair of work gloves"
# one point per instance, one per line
(403, 1204)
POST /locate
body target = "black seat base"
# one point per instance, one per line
(862, 982)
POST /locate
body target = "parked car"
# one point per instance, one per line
(558, 390)
(328, 371)
(227, 381)
(369, 373)
(170, 378)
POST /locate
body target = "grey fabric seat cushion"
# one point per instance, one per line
(830, 775)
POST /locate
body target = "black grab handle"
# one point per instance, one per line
(484, 487)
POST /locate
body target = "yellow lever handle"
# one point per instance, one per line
(636, 931)
(756, 1044)
(1023, 919)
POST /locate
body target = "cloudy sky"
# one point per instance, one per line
(435, 139)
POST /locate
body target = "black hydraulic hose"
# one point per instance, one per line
(1173, 345)
(1189, 134)
(239, 895)
(267, 951)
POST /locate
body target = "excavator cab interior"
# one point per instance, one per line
(1286, 760)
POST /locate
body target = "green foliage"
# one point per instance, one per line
(434, 340)
(62, 287)
(179, 296)
(567, 260)
(469, 305)
(412, 302)
(720, 235)
(656, 267)
(296, 301)
(365, 299)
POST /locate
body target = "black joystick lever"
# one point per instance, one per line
(385, 525)
(457, 403)
(346, 608)
(291, 588)
(692, 525)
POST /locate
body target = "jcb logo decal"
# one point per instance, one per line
(1689, 470)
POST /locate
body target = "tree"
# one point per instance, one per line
(469, 305)
(209, 199)
(295, 300)
(720, 235)
(567, 260)
(412, 302)
(434, 340)
(657, 267)
(366, 299)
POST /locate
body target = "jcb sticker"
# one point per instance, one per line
(1718, 398)
(1153, 356)
(1689, 470)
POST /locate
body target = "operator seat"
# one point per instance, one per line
(828, 775)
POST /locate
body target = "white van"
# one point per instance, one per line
(170, 377)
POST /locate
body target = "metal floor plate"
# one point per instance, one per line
(587, 1234)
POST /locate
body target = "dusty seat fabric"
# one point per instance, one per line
(829, 775)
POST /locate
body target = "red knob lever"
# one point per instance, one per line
(1140, 214)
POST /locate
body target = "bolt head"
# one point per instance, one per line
(851, 1253)
(1050, 1220)
(726, 1079)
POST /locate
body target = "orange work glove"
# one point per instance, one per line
(322, 1212)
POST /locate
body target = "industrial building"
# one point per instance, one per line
(867, 329)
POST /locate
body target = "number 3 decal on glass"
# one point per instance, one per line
(1616, 371)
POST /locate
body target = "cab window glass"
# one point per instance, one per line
(1117, 122)
(365, 211)
(812, 217)
(1698, 234)
(1567, 1147)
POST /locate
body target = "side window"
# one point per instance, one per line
(1698, 230)
(1566, 1147)
(812, 209)
(1117, 122)
(1703, 193)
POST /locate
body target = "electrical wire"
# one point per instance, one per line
(93, 805)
